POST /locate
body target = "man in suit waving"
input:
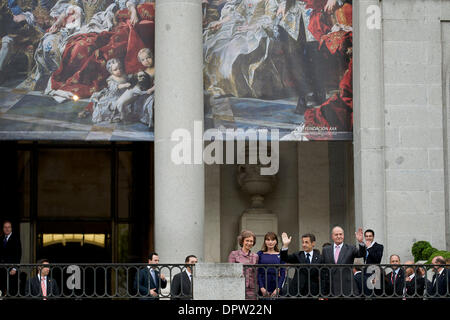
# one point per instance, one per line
(342, 282)
(304, 278)
(148, 279)
(374, 252)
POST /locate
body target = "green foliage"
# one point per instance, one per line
(418, 250)
(426, 254)
(444, 254)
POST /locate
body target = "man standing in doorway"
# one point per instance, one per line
(10, 253)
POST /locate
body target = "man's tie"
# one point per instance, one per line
(307, 258)
(152, 273)
(336, 253)
(393, 277)
(43, 287)
(5, 241)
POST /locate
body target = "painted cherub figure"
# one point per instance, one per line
(144, 86)
(105, 100)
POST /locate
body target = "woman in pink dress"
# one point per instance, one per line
(246, 240)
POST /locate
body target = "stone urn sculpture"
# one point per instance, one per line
(256, 218)
(256, 185)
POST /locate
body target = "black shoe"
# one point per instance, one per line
(301, 106)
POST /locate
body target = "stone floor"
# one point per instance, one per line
(31, 115)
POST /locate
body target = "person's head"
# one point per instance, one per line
(7, 227)
(191, 259)
(308, 242)
(270, 242)
(337, 235)
(369, 235)
(438, 261)
(153, 258)
(326, 244)
(114, 67)
(394, 259)
(43, 270)
(409, 270)
(145, 57)
(247, 239)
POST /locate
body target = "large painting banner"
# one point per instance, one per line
(279, 65)
(77, 69)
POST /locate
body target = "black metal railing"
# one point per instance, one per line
(86, 281)
(322, 281)
(274, 281)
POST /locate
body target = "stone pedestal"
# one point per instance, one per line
(219, 281)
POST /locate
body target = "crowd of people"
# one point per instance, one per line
(270, 273)
(340, 270)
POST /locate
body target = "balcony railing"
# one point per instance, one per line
(321, 281)
(87, 281)
(281, 281)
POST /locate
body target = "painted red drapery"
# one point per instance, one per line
(83, 65)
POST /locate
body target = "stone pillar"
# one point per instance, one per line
(25, 240)
(219, 281)
(212, 213)
(179, 189)
(314, 191)
(368, 130)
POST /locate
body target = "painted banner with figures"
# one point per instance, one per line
(77, 69)
(279, 64)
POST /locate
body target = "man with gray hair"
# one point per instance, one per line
(440, 283)
(341, 279)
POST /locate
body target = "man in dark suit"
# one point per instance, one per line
(42, 285)
(10, 253)
(395, 280)
(374, 252)
(148, 279)
(181, 286)
(415, 281)
(341, 279)
(439, 286)
(306, 279)
(361, 280)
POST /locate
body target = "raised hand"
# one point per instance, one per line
(359, 235)
(285, 239)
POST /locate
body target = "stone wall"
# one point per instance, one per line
(403, 164)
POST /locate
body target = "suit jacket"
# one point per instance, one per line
(439, 285)
(415, 287)
(375, 254)
(341, 279)
(33, 287)
(144, 282)
(397, 287)
(181, 287)
(12, 252)
(304, 278)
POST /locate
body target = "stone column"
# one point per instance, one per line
(368, 130)
(179, 189)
